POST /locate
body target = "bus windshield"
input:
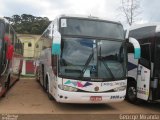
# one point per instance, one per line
(91, 28)
(92, 58)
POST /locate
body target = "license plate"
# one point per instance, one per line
(96, 98)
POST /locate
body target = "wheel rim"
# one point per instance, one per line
(132, 93)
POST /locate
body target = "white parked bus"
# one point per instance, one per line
(83, 60)
(144, 74)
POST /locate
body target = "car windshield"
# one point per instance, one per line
(92, 58)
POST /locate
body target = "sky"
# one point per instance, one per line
(149, 9)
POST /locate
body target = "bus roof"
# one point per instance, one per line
(157, 24)
(138, 26)
(88, 17)
(4, 19)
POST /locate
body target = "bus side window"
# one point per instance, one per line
(1, 33)
(146, 55)
(16, 45)
(54, 64)
(1, 47)
(12, 37)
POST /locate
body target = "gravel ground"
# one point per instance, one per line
(27, 97)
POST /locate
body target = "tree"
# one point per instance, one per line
(131, 10)
(28, 24)
(16, 19)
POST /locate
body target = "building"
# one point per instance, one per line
(28, 42)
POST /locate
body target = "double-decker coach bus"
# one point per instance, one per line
(144, 74)
(10, 56)
(83, 60)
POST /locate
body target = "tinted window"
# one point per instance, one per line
(46, 38)
(145, 59)
(91, 28)
(1, 30)
(1, 34)
(12, 35)
(157, 58)
(145, 51)
(102, 58)
(1, 38)
(54, 63)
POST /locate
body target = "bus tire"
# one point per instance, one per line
(43, 78)
(131, 94)
(7, 85)
(47, 90)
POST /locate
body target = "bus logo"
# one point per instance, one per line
(96, 88)
(78, 84)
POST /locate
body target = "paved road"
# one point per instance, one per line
(27, 97)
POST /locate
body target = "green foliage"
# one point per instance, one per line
(28, 24)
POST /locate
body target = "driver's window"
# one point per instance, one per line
(145, 59)
(54, 64)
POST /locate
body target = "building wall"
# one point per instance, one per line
(29, 44)
(29, 49)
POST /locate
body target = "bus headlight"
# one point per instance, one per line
(120, 89)
(67, 88)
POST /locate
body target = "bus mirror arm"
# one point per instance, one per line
(137, 48)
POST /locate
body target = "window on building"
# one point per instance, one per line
(29, 44)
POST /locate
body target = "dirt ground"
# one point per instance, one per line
(27, 97)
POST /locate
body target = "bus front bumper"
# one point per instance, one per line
(92, 98)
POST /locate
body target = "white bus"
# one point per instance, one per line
(83, 60)
(144, 74)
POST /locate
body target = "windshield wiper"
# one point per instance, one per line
(106, 66)
(109, 70)
(86, 64)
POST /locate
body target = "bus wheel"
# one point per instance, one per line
(131, 94)
(7, 85)
(47, 90)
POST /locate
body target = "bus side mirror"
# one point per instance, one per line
(137, 48)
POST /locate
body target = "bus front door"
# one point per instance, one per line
(156, 81)
(143, 73)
